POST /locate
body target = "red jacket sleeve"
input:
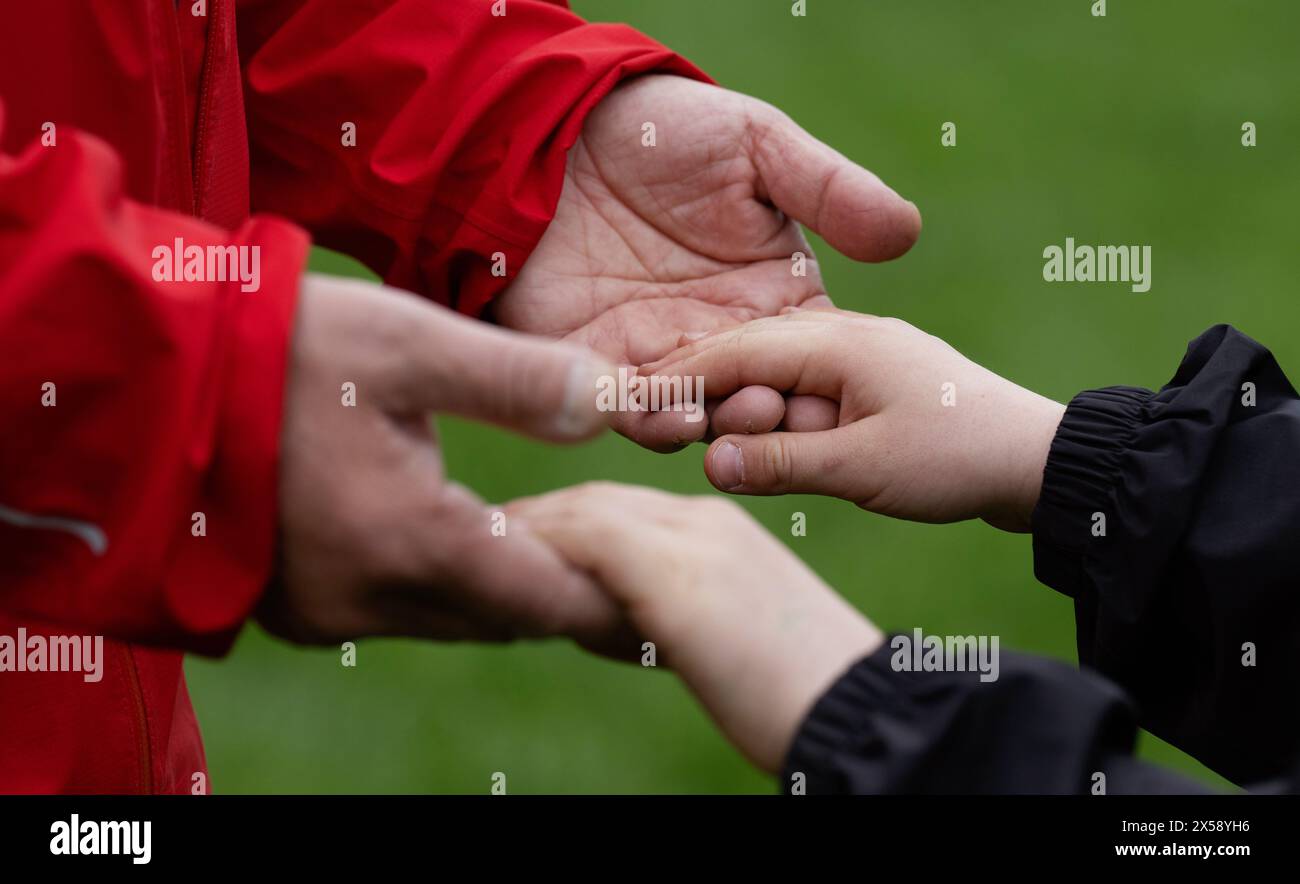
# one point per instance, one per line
(462, 123)
(129, 405)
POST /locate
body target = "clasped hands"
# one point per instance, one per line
(686, 243)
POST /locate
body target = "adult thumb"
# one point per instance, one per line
(850, 207)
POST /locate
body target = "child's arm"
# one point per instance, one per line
(749, 628)
(762, 641)
(1171, 518)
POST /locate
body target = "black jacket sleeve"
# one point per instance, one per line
(1043, 727)
(1173, 520)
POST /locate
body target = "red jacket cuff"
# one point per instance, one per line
(550, 90)
(213, 582)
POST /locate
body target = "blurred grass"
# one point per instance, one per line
(1124, 129)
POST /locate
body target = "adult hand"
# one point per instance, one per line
(694, 234)
(374, 538)
(751, 630)
(922, 432)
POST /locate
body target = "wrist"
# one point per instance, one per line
(801, 681)
(1033, 423)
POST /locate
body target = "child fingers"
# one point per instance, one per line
(615, 532)
(794, 356)
(809, 414)
(748, 410)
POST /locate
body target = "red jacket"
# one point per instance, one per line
(129, 404)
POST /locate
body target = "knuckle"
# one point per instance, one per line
(597, 488)
(716, 507)
(545, 615)
(711, 515)
(520, 375)
(390, 343)
(778, 463)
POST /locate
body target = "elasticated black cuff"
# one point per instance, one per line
(1041, 726)
(1079, 480)
(840, 723)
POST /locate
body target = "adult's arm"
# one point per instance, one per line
(462, 122)
(130, 405)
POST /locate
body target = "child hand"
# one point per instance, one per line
(923, 433)
(751, 630)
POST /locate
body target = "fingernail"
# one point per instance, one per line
(729, 466)
(580, 415)
(689, 337)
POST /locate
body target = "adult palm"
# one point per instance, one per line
(693, 229)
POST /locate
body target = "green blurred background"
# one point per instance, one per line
(1117, 130)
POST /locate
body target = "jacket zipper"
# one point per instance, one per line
(204, 99)
(136, 691)
(133, 685)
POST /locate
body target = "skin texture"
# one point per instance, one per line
(896, 448)
(757, 637)
(695, 234)
(374, 539)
